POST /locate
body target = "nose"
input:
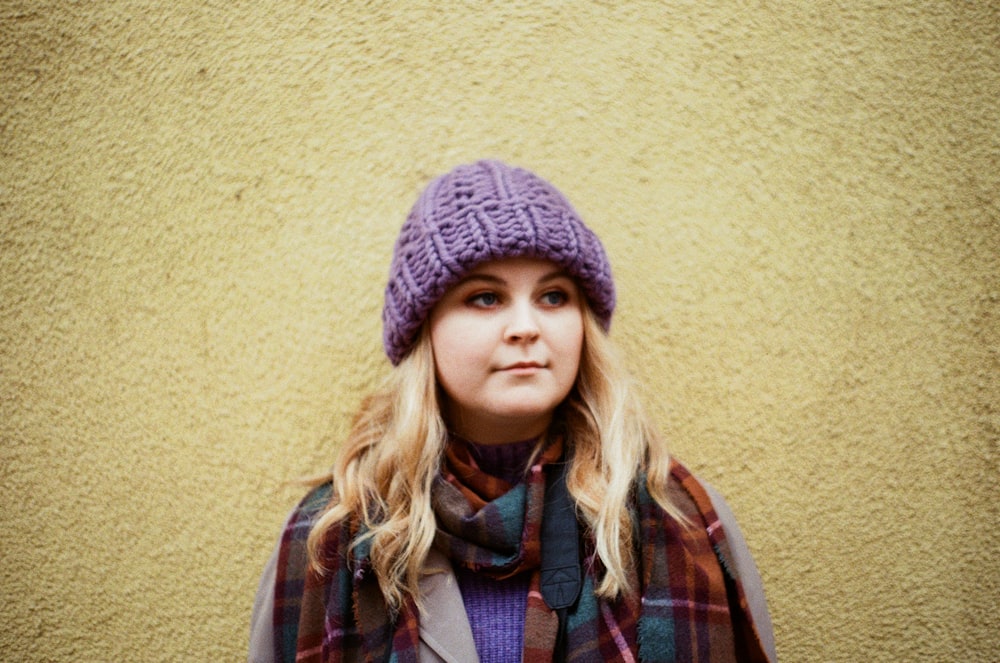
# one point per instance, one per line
(522, 327)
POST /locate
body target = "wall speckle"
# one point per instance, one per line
(197, 209)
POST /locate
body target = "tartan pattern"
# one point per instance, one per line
(691, 607)
(291, 575)
(702, 623)
(485, 524)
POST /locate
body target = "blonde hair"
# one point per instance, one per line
(387, 466)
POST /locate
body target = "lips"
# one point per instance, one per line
(523, 367)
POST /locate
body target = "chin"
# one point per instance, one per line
(527, 412)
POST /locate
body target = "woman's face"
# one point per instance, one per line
(507, 340)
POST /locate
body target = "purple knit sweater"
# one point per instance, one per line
(496, 608)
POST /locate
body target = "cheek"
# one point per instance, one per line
(456, 337)
(570, 344)
(574, 335)
(456, 351)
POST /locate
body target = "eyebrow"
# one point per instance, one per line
(490, 278)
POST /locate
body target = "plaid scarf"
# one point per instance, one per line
(691, 606)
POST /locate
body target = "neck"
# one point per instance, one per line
(489, 431)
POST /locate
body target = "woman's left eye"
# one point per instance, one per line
(555, 298)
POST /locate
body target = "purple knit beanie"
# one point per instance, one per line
(474, 214)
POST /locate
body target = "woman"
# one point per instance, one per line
(503, 497)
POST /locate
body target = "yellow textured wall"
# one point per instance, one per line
(198, 204)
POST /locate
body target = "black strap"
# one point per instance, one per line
(561, 577)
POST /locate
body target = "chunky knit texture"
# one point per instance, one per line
(474, 214)
(496, 610)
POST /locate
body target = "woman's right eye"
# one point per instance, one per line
(484, 299)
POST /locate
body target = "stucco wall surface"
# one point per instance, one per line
(198, 202)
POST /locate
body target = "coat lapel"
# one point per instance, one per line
(444, 624)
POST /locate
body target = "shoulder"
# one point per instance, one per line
(709, 501)
(292, 570)
(710, 504)
(679, 494)
(293, 546)
(293, 555)
(315, 502)
(702, 503)
(307, 512)
(731, 545)
(707, 521)
(278, 593)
